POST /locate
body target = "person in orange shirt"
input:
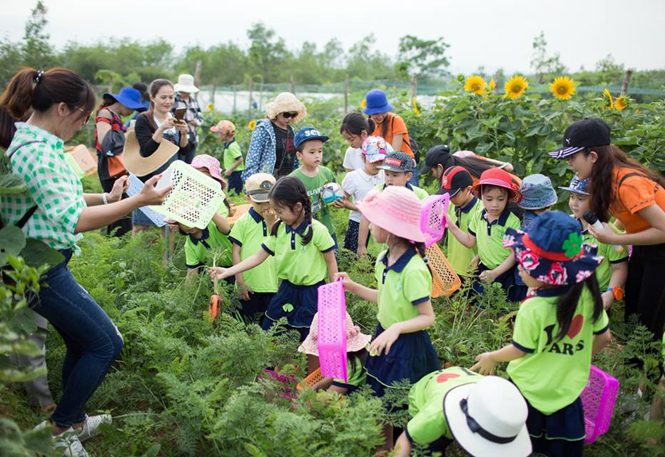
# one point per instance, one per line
(635, 195)
(390, 126)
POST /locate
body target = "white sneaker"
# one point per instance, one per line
(91, 426)
(69, 444)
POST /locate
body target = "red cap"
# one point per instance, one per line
(499, 178)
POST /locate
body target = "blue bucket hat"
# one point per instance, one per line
(553, 251)
(128, 97)
(308, 134)
(376, 102)
(578, 186)
(537, 192)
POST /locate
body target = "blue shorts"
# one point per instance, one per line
(235, 182)
(411, 357)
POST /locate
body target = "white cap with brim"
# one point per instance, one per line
(142, 166)
(488, 418)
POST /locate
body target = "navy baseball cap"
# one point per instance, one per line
(308, 134)
(578, 186)
(583, 134)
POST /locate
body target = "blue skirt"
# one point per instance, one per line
(411, 357)
(297, 303)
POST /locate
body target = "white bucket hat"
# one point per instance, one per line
(186, 84)
(488, 418)
(286, 102)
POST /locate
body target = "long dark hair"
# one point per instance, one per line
(355, 123)
(154, 88)
(567, 304)
(602, 183)
(289, 191)
(30, 88)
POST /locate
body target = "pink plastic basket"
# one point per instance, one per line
(432, 217)
(331, 338)
(598, 399)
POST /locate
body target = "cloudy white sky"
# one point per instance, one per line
(494, 34)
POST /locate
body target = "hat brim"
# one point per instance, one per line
(572, 190)
(373, 158)
(142, 166)
(261, 197)
(124, 101)
(311, 138)
(538, 204)
(451, 192)
(393, 168)
(354, 344)
(564, 153)
(515, 195)
(185, 88)
(424, 169)
(386, 221)
(472, 443)
(552, 272)
(379, 109)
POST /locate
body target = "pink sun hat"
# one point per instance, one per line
(395, 209)
(209, 163)
(355, 339)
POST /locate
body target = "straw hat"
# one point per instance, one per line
(395, 209)
(286, 102)
(355, 339)
(141, 166)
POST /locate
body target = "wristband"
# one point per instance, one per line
(104, 198)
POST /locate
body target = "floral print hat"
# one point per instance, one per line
(553, 250)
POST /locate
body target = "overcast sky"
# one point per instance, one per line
(494, 34)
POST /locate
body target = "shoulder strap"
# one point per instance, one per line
(628, 175)
(26, 217)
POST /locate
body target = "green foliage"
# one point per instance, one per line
(422, 58)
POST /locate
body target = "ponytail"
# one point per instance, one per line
(567, 304)
(30, 88)
(289, 191)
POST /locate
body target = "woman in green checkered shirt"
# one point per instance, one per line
(61, 103)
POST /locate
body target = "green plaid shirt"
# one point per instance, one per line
(52, 186)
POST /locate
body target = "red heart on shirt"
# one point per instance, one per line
(575, 326)
(446, 376)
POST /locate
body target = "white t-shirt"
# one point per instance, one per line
(353, 159)
(357, 183)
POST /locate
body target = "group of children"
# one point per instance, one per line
(284, 247)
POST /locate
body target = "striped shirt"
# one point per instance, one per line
(52, 186)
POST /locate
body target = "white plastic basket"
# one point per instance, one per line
(194, 199)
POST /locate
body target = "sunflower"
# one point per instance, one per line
(252, 125)
(563, 87)
(607, 95)
(475, 84)
(363, 104)
(210, 107)
(415, 106)
(491, 85)
(516, 86)
(621, 103)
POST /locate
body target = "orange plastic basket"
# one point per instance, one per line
(310, 380)
(444, 279)
(238, 211)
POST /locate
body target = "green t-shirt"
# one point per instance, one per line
(232, 153)
(249, 232)
(458, 255)
(489, 236)
(356, 375)
(402, 286)
(320, 210)
(197, 249)
(610, 256)
(302, 265)
(552, 374)
(428, 423)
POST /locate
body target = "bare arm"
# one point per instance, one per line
(366, 293)
(331, 263)
(247, 264)
(618, 279)
(397, 142)
(465, 238)
(655, 234)
(490, 275)
(487, 362)
(402, 446)
(232, 168)
(600, 341)
(222, 223)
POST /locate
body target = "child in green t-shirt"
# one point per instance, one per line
(309, 146)
(613, 272)
(257, 286)
(484, 415)
(232, 155)
(486, 230)
(356, 355)
(558, 329)
(458, 184)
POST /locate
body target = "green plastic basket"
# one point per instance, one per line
(194, 199)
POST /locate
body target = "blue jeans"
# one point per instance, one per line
(93, 342)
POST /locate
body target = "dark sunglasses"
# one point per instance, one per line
(289, 115)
